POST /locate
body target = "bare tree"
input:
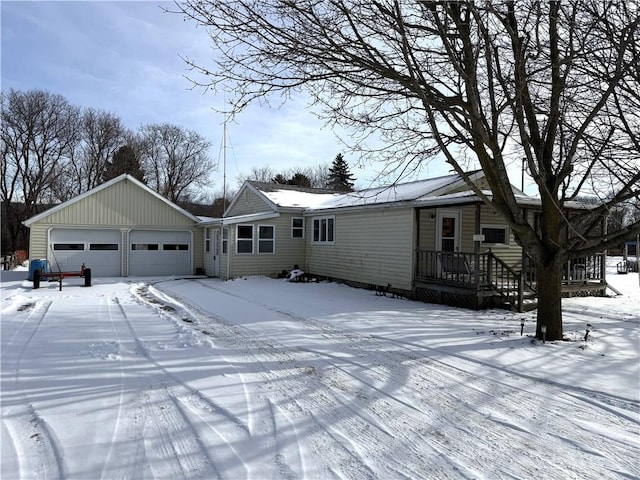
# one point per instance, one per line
(315, 176)
(482, 83)
(102, 133)
(38, 132)
(258, 174)
(175, 160)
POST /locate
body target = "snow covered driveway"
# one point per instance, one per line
(258, 378)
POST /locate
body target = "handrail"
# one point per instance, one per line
(506, 281)
(576, 271)
(485, 271)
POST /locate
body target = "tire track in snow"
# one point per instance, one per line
(174, 428)
(127, 436)
(298, 398)
(488, 410)
(20, 417)
(255, 404)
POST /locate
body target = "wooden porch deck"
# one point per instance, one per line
(483, 280)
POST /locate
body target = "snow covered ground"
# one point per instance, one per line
(260, 378)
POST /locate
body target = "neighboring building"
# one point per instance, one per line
(434, 240)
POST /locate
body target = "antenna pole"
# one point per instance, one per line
(224, 165)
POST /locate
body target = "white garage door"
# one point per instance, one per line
(158, 252)
(98, 249)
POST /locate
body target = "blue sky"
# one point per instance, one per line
(124, 57)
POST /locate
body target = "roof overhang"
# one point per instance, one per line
(253, 217)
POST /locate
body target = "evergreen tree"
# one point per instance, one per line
(124, 161)
(300, 179)
(340, 179)
(281, 179)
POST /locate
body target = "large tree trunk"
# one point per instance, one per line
(549, 275)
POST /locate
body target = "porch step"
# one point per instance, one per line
(529, 302)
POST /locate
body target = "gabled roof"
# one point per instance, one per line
(398, 193)
(113, 181)
(447, 189)
(278, 196)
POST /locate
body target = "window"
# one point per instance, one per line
(175, 246)
(68, 246)
(144, 246)
(297, 228)
(266, 239)
(207, 239)
(323, 229)
(225, 240)
(244, 239)
(103, 246)
(495, 234)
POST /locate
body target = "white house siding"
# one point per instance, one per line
(467, 227)
(38, 241)
(427, 229)
(248, 202)
(373, 247)
(427, 226)
(511, 254)
(288, 251)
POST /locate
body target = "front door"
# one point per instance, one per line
(448, 231)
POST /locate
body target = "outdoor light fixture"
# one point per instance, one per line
(589, 328)
(543, 329)
(521, 325)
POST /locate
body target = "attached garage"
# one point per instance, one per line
(157, 252)
(120, 228)
(99, 249)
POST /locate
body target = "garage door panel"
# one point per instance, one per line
(98, 249)
(159, 252)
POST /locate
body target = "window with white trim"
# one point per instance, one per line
(495, 234)
(297, 227)
(324, 229)
(225, 240)
(266, 239)
(244, 238)
(207, 239)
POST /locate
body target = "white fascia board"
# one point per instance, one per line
(240, 193)
(71, 201)
(374, 206)
(209, 221)
(252, 217)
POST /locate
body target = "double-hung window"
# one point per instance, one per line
(225, 240)
(297, 227)
(207, 239)
(266, 239)
(324, 229)
(244, 239)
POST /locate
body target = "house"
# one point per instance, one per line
(120, 228)
(433, 239)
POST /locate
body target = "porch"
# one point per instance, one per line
(484, 280)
